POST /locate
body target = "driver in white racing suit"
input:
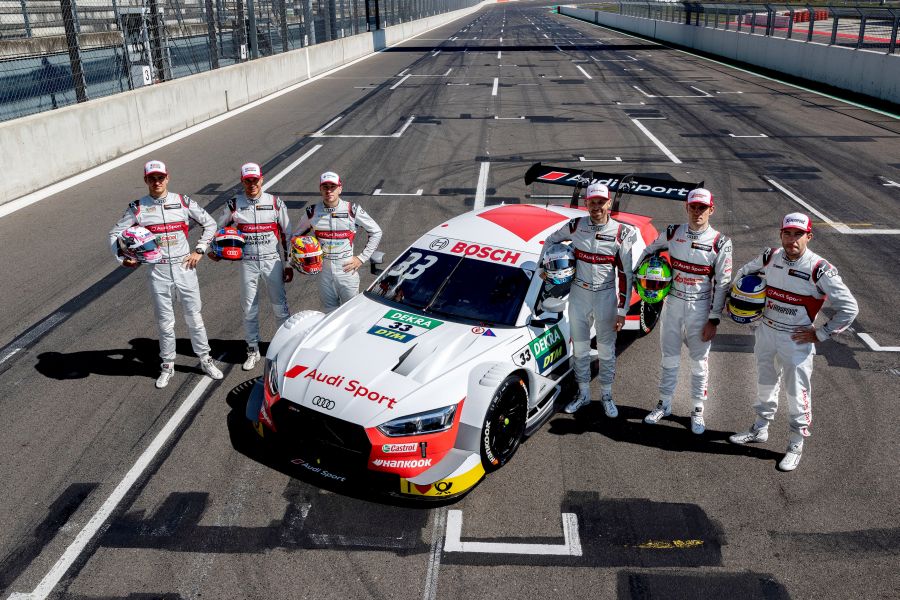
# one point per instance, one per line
(166, 214)
(263, 221)
(797, 283)
(334, 222)
(701, 269)
(600, 292)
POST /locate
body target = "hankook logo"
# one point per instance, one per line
(439, 244)
(323, 402)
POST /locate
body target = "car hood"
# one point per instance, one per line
(368, 363)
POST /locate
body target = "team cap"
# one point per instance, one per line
(329, 177)
(597, 190)
(251, 170)
(700, 196)
(155, 166)
(797, 221)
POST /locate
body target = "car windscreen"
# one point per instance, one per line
(454, 286)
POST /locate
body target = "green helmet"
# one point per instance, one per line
(653, 279)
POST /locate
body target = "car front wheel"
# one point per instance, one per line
(504, 423)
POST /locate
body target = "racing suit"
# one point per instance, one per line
(600, 291)
(263, 221)
(795, 291)
(167, 217)
(701, 270)
(335, 229)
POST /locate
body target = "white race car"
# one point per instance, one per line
(438, 371)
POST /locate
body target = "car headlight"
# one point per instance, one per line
(271, 377)
(430, 421)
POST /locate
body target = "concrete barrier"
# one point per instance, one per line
(41, 149)
(874, 74)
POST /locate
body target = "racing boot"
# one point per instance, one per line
(792, 456)
(609, 407)
(698, 426)
(756, 434)
(165, 374)
(252, 359)
(582, 399)
(663, 409)
(209, 367)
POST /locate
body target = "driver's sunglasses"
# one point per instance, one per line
(328, 187)
(251, 181)
(156, 178)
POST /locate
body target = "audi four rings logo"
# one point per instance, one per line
(323, 402)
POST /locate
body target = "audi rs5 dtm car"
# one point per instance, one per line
(435, 374)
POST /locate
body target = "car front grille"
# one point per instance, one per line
(337, 440)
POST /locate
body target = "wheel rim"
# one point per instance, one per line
(507, 426)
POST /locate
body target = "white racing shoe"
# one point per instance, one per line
(168, 370)
(698, 426)
(252, 359)
(609, 407)
(791, 457)
(209, 367)
(655, 415)
(582, 399)
(752, 436)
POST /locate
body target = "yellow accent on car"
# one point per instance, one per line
(444, 488)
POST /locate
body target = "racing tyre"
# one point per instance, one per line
(504, 423)
(649, 316)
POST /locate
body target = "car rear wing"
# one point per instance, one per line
(629, 183)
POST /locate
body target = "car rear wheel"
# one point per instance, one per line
(504, 423)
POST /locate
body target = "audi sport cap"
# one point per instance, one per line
(797, 221)
(597, 190)
(329, 177)
(251, 171)
(700, 196)
(155, 166)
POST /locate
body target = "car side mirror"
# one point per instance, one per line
(551, 305)
(375, 261)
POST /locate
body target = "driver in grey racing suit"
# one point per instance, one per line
(701, 268)
(797, 283)
(600, 292)
(263, 221)
(334, 222)
(166, 214)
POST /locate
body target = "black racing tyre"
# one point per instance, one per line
(504, 423)
(649, 316)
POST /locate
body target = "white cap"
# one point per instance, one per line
(329, 177)
(597, 190)
(155, 166)
(797, 221)
(251, 170)
(700, 196)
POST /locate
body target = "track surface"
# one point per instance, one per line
(660, 512)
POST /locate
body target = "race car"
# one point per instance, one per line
(437, 372)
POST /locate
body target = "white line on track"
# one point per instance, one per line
(761, 135)
(434, 557)
(481, 190)
(32, 335)
(571, 545)
(396, 85)
(499, 118)
(702, 93)
(321, 133)
(836, 225)
(499, 52)
(87, 533)
(616, 159)
(873, 345)
(378, 192)
(583, 71)
(291, 167)
(436, 52)
(402, 73)
(496, 85)
(658, 143)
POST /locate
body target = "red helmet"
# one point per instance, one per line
(228, 243)
(306, 254)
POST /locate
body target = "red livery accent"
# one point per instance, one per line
(295, 371)
(812, 305)
(691, 267)
(594, 259)
(326, 234)
(522, 220)
(553, 175)
(494, 254)
(167, 227)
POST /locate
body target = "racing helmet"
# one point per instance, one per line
(653, 279)
(138, 243)
(306, 254)
(559, 264)
(228, 243)
(747, 299)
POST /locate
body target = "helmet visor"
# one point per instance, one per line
(230, 243)
(311, 261)
(654, 285)
(148, 246)
(557, 264)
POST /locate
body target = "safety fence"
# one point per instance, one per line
(59, 52)
(860, 27)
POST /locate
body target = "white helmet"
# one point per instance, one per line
(559, 264)
(138, 243)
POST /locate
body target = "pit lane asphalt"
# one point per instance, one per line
(660, 512)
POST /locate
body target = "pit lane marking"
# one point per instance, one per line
(571, 545)
(378, 192)
(616, 159)
(702, 93)
(583, 71)
(875, 346)
(836, 225)
(761, 135)
(99, 518)
(396, 85)
(321, 133)
(496, 85)
(658, 143)
(291, 167)
(481, 190)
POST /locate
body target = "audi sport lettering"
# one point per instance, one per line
(353, 386)
(494, 254)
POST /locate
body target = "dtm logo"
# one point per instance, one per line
(323, 402)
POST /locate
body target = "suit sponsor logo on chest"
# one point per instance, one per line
(605, 238)
(800, 274)
(699, 246)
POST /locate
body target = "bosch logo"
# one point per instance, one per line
(439, 244)
(323, 402)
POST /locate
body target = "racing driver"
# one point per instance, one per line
(334, 222)
(797, 283)
(166, 214)
(600, 292)
(701, 265)
(263, 221)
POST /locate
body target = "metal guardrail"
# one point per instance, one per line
(862, 28)
(58, 52)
